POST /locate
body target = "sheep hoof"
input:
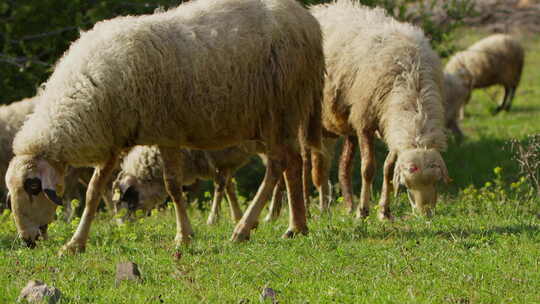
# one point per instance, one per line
(385, 216)
(212, 220)
(238, 237)
(181, 240)
(270, 218)
(363, 213)
(71, 248)
(291, 233)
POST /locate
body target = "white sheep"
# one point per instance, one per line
(383, 77)
(139, 185)
(208, 74)
(495, 60)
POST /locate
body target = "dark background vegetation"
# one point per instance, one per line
(35, 33)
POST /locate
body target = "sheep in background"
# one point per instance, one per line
(139, 185)
(496, 59)
(383, 77)
(208, 74)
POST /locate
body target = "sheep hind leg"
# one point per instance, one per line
(297, 207)
(454, 127)
(345, 172)
(504, 101)
(320, 174)
(276, 203)
(250, 219)
(173, 183)
(508, 103)
(367, 154)
(95, 188)
(219, 188)
(384, 202)
(236, 212)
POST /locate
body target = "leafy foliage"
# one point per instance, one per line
(35, 33)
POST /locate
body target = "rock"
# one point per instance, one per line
(268, 293)
(39, 292)
(127, 271)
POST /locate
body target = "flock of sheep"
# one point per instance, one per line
(194, 92)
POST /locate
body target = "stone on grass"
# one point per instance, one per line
(39, 292)
(268, 294)
(127, 271)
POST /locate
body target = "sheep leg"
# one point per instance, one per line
(306, 169)
(367, 155)
(508, 103)
(230, 189)
(275, 205)
(297, 207)
(386, 193)
(93, 193)
(345, 172)
(320, 174)
(251, 216)
(454, 127)
(504, 101)
(219, 188)
(173, 184)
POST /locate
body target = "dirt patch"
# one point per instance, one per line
(503, 16)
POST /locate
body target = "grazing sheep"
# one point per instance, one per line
(208, 74)
(139, 184)
(497, 59)
(383, 77)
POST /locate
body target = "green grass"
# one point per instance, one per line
(481, 247)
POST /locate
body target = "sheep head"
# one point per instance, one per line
(132, 194)
(419, 170)
(35, 186)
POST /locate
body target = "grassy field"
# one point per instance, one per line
(481, 247)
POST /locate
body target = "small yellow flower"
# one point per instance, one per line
(488, 184)
(497, 170)
(522, 179)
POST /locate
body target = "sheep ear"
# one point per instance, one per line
(396, 181)
(50, 181)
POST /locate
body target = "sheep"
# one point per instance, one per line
(383, 77)
(496, 59)
(139, 185)
(207, 74)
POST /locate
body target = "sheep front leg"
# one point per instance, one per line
(345, 172)
(219, 188)
(93, 193)
(251, 216)
(297, 207)
(386, 193)
(275, 204)
(236, 212)
(367, 155)
(173, 183)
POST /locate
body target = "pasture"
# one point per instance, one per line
(480, 247)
